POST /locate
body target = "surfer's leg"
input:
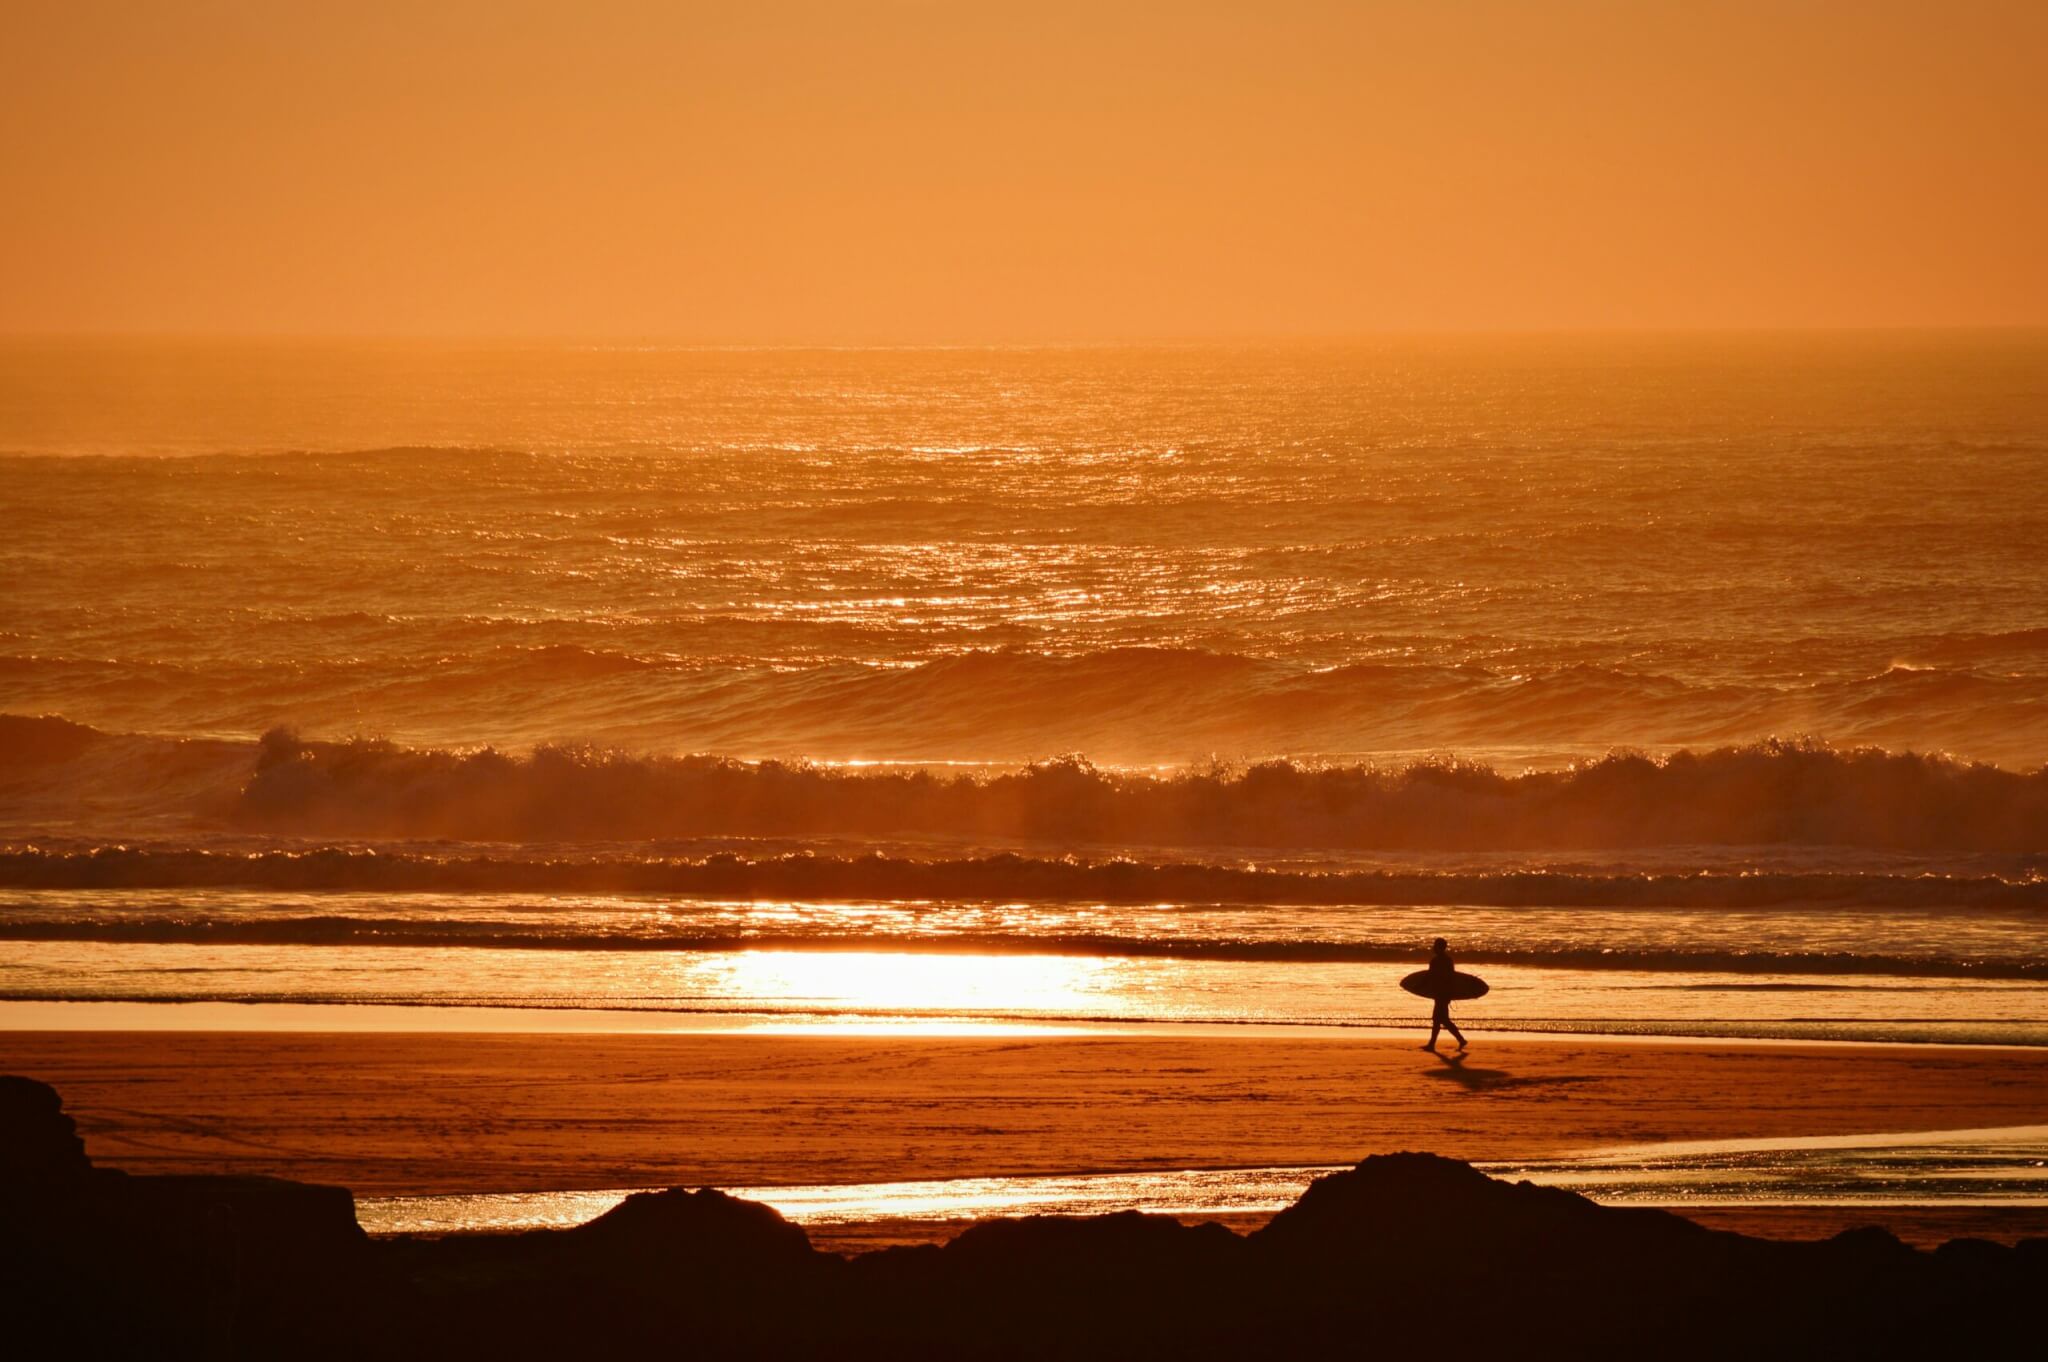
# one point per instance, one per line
(1442, 1018)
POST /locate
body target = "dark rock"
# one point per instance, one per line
(1402, 1254)
(1092, 1246)
(703, 1228)
(1979, 1254)
(1412, 1214)
(1872, 1243)
(166, 1266)
(40, 1151)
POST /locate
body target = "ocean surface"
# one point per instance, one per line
(1689, 685)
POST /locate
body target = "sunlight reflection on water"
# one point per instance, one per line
(947, 992)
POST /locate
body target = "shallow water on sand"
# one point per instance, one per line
(2004, 1167)
(1891, 973)
(851, 989)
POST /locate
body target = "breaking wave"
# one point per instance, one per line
(1772, 793)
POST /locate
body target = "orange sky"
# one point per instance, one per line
(985, 170)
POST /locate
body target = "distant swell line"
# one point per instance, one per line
(337, 931)
(1005, 877)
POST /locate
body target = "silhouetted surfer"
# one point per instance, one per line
(1440, 970)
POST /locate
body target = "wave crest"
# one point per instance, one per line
(1767, 793)
(56, 774)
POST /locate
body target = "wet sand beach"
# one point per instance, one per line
(421, 1114)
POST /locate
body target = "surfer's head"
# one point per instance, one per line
(1441, 946)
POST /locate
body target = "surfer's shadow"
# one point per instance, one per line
(1456, 1070)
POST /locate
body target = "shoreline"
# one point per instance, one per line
(1945, 1184)
(207, 1017)
(385, 1113)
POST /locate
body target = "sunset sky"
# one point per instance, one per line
(855, 172)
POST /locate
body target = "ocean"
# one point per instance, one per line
(1690, 685)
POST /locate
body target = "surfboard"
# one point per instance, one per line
(1429, 984)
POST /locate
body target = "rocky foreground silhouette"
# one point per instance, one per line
(1404, 1253)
